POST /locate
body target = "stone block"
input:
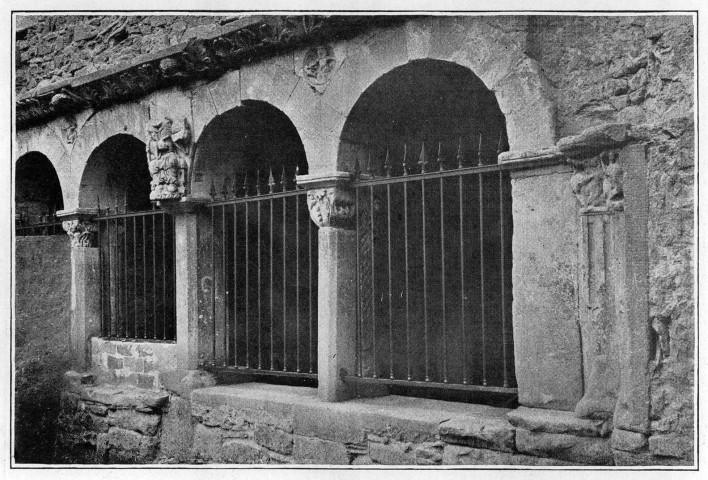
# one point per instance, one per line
(100, 410)
(316, 451)
(177, 430)
(557, 421)
(182, 382)
(113, 362)
(274, 439)
(124, 349)
(242, 451)
(429, 453)
(207, 442)
(125, 446)
(594, 139)
(392, 453)
(144, 423)
(456, 455)
(134, 364)
(670, 446)
(628, 441)
(570, 448)
(328, 423)
(142, 380)
(480, 432)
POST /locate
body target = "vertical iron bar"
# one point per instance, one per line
(226, 286)
(272, 327)
(373, 277)
(481, 279)
(390, 290)
(135, 281)
(285, 293)
(125, 275)
(258, 292)
(154, 282)
(164, 279)
(102, 273)
(425, 282)
(463, 294)
(502, 234)
(442, 275)
(235, 295)
(247, 294)
(359, 314)
(297, 284)
(405, 248)
(144, 283)
(213, 286)
(310, 288)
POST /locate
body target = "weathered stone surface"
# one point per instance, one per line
(317, 451)
(493, 433)
(125, 396)
(456, 455)
(362, 460)
(144, 423)
(323, 421)
(670, 446)
(594, 139)
(177, 429)
(182, 382)
(274, 439)
(392, 453)
(207, 442)
(623, 458)
(242, 451)
(591, 451)
(429, 453)
(628, 441)
(125, 446)
(557, 421)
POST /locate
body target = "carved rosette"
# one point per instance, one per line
(82, 232)
(332, 207)
(598, 184)
(168, 149)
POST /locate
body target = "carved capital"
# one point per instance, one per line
(598, 183)
(82, 232)
(332, 207)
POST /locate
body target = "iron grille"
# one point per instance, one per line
(434, 273)
(259, 277)
(137, 259)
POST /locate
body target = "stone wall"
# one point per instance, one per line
(42, 315)
(53, 48)
(132, 362)
(640, 70)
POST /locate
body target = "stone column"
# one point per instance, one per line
(85, 284)
(331, 203)
(184, 212)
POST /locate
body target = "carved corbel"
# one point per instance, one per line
(332, 207)
(82, 232)
(169, 150)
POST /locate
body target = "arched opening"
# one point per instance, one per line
(241, 147)
(38, 193)
(434, 230)
(116, 176)
(257, 260)
(438, 103)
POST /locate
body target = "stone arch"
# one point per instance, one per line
(244, 144)
(523, 93)
(38, 192)
(116, 176)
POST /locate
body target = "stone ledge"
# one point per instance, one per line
(557, 421)
(569, 448)
(125, 396)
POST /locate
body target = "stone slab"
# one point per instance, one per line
(316, 451)
(274, 439)
(392, 453)
(480, 432)
(628, 441)
(144, 423)
(457, 455)
(569, 448)
(125, 396)
(557, 421)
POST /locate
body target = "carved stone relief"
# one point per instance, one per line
(318, 67)
(168, 153)
(598, 183)
(331, 207)
(81, 232)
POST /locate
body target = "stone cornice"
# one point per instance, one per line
(244, 41)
